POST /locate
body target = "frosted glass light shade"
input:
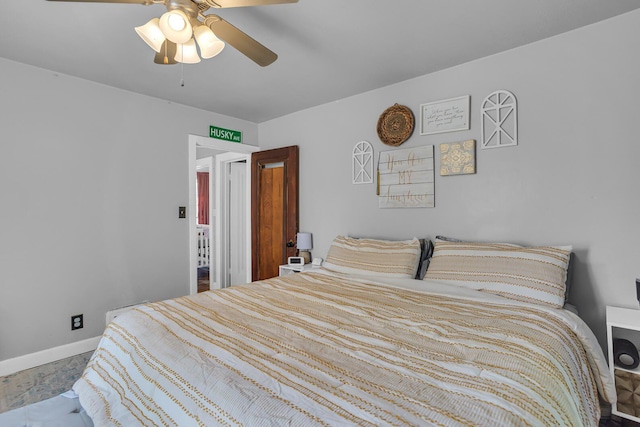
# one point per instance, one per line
(210, 45)
(167, 54)
(175, 26)
(304, 242)
(152, 34)
(187, 53)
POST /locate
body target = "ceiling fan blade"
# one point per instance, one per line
(240, 40)
(143, 2)
(244, 3)
(167, 54)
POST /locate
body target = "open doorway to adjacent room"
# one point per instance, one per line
(220, 239)
(205, 221)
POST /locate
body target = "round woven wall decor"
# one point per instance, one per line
(395, 125)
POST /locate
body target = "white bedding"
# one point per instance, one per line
(59, 411)
(323, 349)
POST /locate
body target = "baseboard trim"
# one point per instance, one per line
(28, 361)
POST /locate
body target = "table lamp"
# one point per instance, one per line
(304, 246)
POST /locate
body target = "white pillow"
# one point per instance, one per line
(382, 258)
(530, 274)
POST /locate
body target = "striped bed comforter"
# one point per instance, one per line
(322, 349)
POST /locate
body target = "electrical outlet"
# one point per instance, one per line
(77, 322)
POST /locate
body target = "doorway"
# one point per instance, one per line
(205, 222)
(274, 206)
(225, 154)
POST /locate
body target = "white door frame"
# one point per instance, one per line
(196, 141)
(222, 200)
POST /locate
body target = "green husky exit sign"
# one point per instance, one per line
(225, 134)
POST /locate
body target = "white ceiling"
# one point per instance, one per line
(328, 49)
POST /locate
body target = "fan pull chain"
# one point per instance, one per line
(182, 66)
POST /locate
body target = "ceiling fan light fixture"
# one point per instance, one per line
(209, 44)
(151, 34)
(176, 26)
(187, 53)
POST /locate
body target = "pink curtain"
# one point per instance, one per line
(203, 197)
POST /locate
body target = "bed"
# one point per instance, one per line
(359, 342)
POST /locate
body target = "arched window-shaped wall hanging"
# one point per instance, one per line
(499, 120)
(362, 163)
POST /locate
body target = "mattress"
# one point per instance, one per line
(322, 348)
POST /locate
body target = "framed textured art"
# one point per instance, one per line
(406, 178)
(458, 158)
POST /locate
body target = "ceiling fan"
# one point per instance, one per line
(174, 35)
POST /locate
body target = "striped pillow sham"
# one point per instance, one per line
(530, 274)
(382, 258)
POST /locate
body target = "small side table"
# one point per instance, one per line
(624, 323)
(286, 269)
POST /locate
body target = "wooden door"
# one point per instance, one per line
(274, 209)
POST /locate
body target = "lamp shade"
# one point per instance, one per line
(152, 34)
(210, 45)
(304, 242)
(187, 53)
(167, 53)
(175, 26)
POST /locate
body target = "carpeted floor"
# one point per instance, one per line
(40, 383)
(203, 279)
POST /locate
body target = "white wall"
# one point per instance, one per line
(573, 179)
(91, 178)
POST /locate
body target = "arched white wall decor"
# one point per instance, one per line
(362, 163)
(499, 120)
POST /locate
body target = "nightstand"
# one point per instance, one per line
(624, 323)
(286, 269)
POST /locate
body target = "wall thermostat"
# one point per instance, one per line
(295, 260)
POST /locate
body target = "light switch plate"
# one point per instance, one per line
(182, 212)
